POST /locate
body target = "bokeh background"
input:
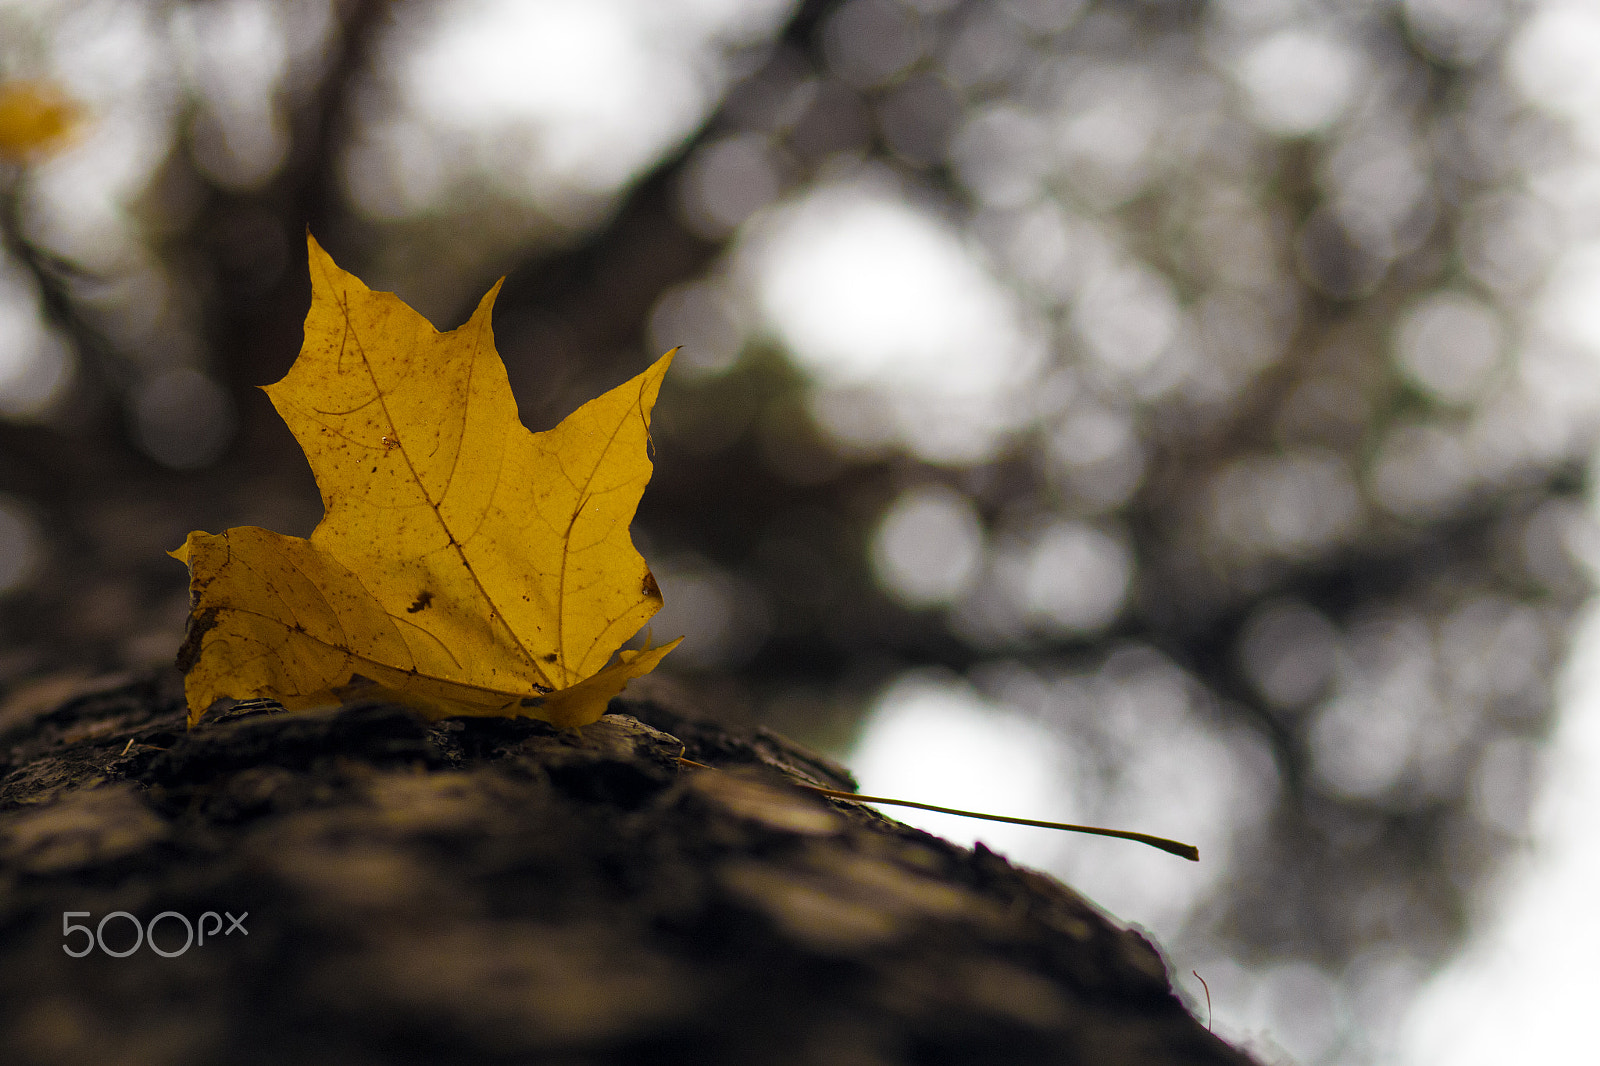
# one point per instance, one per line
(1157, 413)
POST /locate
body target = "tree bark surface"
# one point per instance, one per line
(496, 890)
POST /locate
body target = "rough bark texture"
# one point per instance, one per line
(499, 891)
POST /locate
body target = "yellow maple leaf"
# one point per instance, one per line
(463, 565)
(35, 117)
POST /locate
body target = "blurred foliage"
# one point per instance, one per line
(1285, 422)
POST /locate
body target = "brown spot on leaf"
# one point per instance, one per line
(550, 658)
(189, 651)
(423, 599)
(649, 586)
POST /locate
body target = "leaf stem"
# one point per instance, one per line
(1171, 847)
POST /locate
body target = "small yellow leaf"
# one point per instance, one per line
(35, 117)
(464, 565)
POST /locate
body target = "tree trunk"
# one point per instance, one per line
(374, 888)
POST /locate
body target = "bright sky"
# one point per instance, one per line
(934, 737)
(873, 295)
(1524, 992)
(553, 98)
